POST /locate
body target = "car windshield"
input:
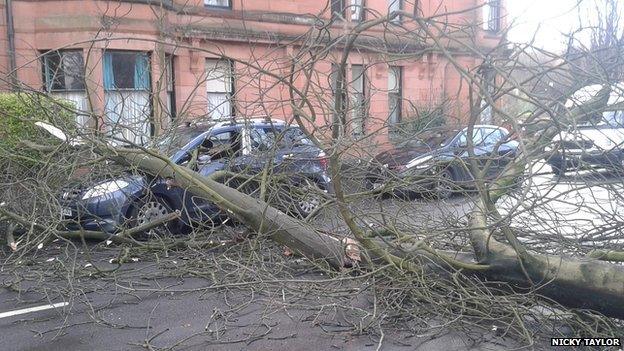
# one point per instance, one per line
(614, 118)
(432, 138)
(173, 141)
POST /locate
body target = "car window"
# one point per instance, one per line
(295, 136)
(614, 118)
(492, 136)
(175, 140)
(263, 139)
(224, 144)
(477, 137)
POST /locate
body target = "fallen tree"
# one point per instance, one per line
(580, 283)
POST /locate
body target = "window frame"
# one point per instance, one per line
(398, 92)
(170, 89)
(361, 14)
(334, 82)
(358, 89)
(338, 10)
(230, 86)
(210, 6)
(399, 18)
(492, 13)
(47, 85)
(136, 53)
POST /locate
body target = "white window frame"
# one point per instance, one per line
(219, 88)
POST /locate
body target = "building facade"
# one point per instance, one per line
(134, 67)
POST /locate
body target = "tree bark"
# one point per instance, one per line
(585, 283)
(257, 215)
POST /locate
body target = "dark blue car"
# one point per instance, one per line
(437, 160)
(245, 148)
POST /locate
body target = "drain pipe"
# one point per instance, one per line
(11, 41)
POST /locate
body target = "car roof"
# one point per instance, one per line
(205, 125)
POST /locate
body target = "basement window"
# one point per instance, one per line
(227, 4)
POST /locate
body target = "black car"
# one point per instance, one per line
(437, 161)
(238, 147)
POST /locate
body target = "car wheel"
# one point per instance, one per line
(149, 209)
(444, 185)
(310, 199)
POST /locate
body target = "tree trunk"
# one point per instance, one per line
(585, 283)
(580, 283)
(255, 214)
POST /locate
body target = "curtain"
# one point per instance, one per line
(109, 77)
(127, 115)
(81, 104)
(219, 105)
(141, 72)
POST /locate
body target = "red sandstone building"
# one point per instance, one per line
(143, 64)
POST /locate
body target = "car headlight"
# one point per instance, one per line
(419, 162)
(105, 188)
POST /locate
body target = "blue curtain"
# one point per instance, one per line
(109, 77)
(142, 72)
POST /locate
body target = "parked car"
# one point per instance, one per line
(240, 147)
(437, 161)
(598, 142)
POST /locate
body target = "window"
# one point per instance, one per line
(492, 15)
(488, 80)
(263, 139)
(127, 86)
(358, 101)
(334, 76)
(219, 88)
(357, 10)
(395, 5)
(171, 106)
(64, 71)
(614, 118)
(126, 70)
(225, 144)
(63, 78)
(337, 9)
(218, 3)
(394, 95)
